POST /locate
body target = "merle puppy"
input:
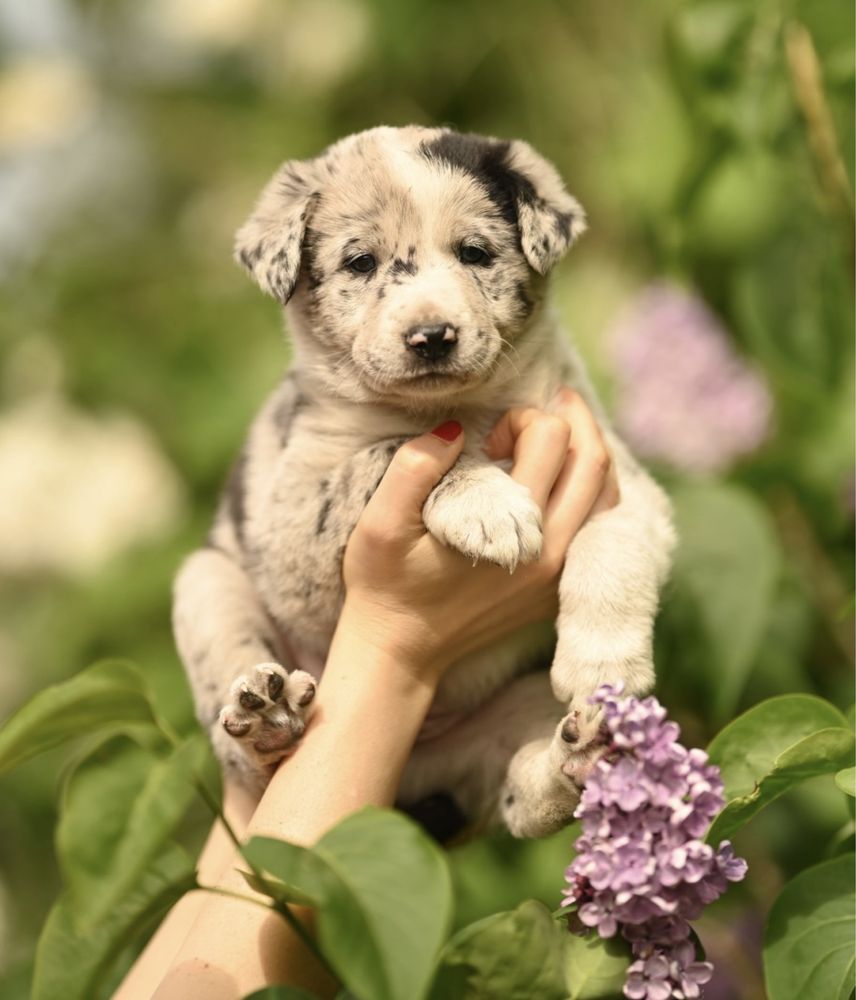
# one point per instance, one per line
(413, 263)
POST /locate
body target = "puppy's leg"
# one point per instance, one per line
(483, 513)
(608, 597)
(222, 630)
(471, 760)
(541, 788)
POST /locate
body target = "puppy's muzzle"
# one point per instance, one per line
(432, 343)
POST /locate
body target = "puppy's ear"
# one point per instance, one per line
(548, 217)
(269, 244)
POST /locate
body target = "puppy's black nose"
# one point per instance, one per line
(432, 342)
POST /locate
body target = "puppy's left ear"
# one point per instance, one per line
(270, 243)
(548, 217)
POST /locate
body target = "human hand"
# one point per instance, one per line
(426, 604)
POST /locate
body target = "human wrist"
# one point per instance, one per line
(401, 641)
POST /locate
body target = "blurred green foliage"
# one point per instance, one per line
(711, 142)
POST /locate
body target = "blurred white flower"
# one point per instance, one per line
(308, 44)
(43, 98)
(317, 43)
(217, 23)
(684, 395)
(78, 490)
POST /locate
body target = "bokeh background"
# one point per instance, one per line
(712, 145)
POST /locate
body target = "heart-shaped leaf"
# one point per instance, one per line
(808, 942)
(102, 697)
(595, 968)
(772, 747)
(513, 955)
(384, 899)
(526, 953)
(846, 781)
(75, 965)
(120, 807)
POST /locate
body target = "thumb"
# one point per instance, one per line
(414, 471)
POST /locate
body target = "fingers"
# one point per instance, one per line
(395, 509)
(587, 482)
(539, 443)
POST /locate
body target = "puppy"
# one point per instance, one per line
(413, 266)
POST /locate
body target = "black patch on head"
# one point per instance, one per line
(487, 161)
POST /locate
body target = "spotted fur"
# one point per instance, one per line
(461, 232)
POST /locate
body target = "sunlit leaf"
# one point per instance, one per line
(513, 955)
(384, 900)
(119, 810)
(846, 780)
(75, 965)
(594, 968)
(772, 747)
(103, 696)
(280, 993)
(808, 942)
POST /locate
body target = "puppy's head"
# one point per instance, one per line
(413, 258)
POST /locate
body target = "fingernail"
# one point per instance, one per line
(448, 431)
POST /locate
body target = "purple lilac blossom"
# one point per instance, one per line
(641, 867)
(684, 396)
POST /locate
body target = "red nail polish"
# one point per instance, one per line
(448, 431)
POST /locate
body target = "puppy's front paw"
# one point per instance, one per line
(489, 517)
(267, 712)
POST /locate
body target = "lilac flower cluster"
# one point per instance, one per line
(684, 396)
(641, 866)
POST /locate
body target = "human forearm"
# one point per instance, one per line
(369, 709)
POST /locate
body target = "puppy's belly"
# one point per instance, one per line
(472, 680)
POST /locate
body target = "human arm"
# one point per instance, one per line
(412, 607)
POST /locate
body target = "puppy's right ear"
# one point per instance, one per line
(269, 244)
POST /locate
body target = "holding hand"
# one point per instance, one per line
(425, 604)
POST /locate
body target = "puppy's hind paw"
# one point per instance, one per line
(579, 741)
(267, 711)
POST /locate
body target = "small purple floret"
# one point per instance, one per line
(641, 866)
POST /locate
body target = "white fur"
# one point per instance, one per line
(270, 588)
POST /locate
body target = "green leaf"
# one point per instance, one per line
(75, 965)
(514, 955)
(808, 942)
(846, 781)
(772, 747)
(280, 993)
(728, 563)
(120, 808)
(526, 953)
(384, 899)
(267, 885)
(594, 968)
(103, 696)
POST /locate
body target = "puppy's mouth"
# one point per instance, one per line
(430, 383)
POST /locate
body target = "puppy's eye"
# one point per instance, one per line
(364, 264)
(469, 253)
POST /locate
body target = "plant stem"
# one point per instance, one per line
(278, 906)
